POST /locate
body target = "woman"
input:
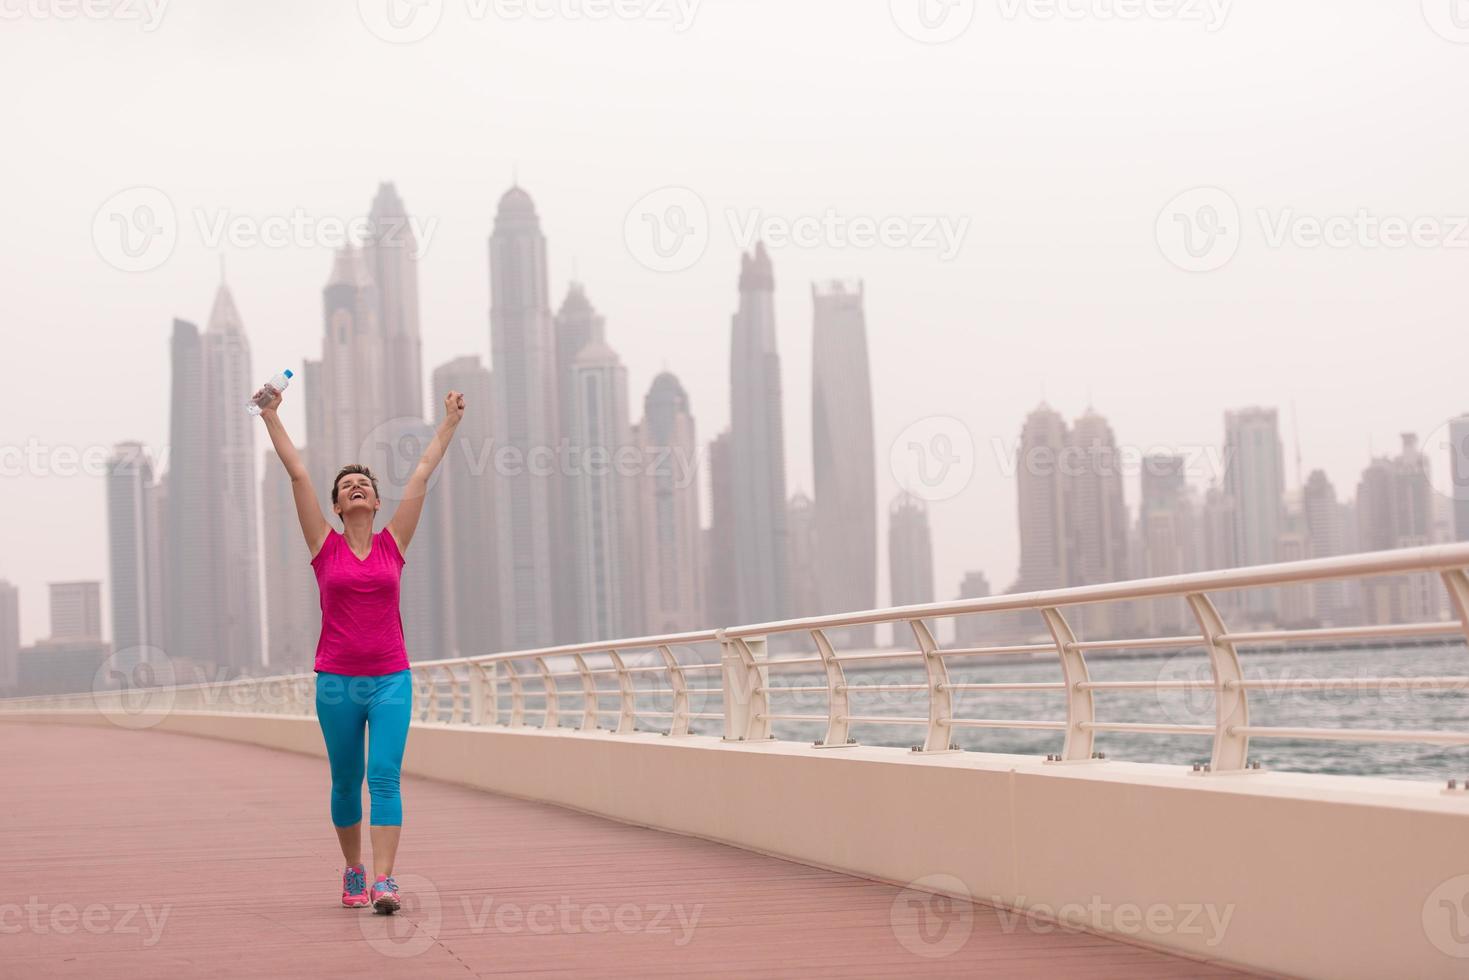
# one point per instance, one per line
(364, 692)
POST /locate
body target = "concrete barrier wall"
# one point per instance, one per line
(1311, 876)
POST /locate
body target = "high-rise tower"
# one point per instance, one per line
(1254, 477)
(229, 382)
(390, 254)
(576, 326)
(1041, 499)
(131, 515)
(910, 552)
(845, 464)
(527, 503)
(190, 540)
(757, 443)
(467, 493)
(669, 552)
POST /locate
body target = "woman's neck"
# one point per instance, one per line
(357, 529)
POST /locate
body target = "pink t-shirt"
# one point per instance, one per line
(361, 626)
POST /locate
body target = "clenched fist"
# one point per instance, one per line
(453, 407)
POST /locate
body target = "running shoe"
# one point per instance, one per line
(385, 895)
(354, 888)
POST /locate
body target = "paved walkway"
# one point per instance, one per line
(143, 854)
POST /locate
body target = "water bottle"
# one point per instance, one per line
(277, 384)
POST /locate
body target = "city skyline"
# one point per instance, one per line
(596, 585)
(1059, 289)
(352, 294)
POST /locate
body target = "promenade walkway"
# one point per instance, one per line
(143, 854)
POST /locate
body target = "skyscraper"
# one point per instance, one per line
(1394, 510)
(130, 515)
(1324, 539)
(76, 610)
(527, 505)
(1166, 532)
(390, 253)
(467, 501)
(1096, 514)
(576, 325)
(601, 511)
(721, 577)
(235, 579)
(1295, 604)
(1254, 477)
(1041, 498)
(1458, 464)
(972, 630)
(801, 534)
(757, 443)
(343, 391)
(9, 637)
(910, 552)
(670, 554)
(845, 464)
(292, 606)
(1096, 520)
(156, 561)
(190, 540)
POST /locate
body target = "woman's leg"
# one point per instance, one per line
(341, 710)
(387, 723)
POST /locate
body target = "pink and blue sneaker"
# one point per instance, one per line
(354, 888)
(385, 895)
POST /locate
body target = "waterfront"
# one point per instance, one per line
(1337, 701)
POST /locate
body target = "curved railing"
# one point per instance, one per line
(605, 686)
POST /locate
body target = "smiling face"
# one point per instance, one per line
(355, 492)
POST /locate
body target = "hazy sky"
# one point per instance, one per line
(1058, 139)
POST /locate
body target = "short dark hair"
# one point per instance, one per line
(349, 469)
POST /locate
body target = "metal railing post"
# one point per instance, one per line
(940, 697)
(483, 701)
(1231, 705)
(517, 695)
(456, 698)
(1080, 708)
(627, 706)
(423, 690)
(1456, 581)
(837, 700)
(588, 695)
(551, 719)
(679, 725)
(746, 703)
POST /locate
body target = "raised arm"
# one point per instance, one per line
(308, 511)
(405, 518)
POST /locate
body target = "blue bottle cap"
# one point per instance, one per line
(289, 373)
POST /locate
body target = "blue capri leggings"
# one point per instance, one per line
(371, 710)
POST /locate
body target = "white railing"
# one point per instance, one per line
(595, 686)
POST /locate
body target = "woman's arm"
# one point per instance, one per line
(405, 518)
(313, 524)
